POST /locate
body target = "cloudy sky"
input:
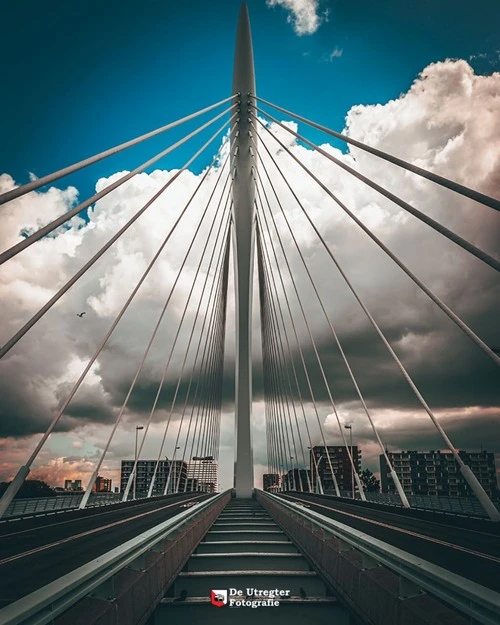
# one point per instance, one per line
(420, 82)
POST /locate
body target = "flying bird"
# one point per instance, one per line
(80, 314)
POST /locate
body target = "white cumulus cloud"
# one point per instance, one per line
(303, 14)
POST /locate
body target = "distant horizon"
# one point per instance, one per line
(259, 481)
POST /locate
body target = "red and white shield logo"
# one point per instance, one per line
(218, 598)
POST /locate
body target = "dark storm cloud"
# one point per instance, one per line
(20, 416)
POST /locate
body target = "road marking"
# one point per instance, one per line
(403, 531)
(87, 533)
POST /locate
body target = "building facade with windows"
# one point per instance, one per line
(437, 472)
(102, 485)
(320, 458)
(73, 485)
(270, 482)
(202, 474)
(145, 470)
(297, 479)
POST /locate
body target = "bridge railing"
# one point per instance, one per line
(21, 507)
(44, 605)
(468, 506)
(39, 505)
(481, 604)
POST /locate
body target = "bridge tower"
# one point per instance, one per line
(243, 250)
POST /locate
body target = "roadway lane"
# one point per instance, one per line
(33, 556)
(474, 554)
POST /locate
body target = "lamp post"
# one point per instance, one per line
(293, 475)
(137, 428)
(349, 427)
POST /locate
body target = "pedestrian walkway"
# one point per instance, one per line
(246, 562)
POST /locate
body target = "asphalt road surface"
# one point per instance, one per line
(471, 553)
(34, 552)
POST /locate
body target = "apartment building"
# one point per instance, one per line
(297, 479)
(73, 485)
(270, 481)
(102, 485)
(321, 457)
(437, 472)
(145, 470)
(202, 474)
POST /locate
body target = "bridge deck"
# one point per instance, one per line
(265, 550)
(37, 551)
(467, 547)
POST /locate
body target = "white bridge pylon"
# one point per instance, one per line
(243, 242)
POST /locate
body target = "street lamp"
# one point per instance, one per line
(293, 475)
(137, 428)
(349, 427)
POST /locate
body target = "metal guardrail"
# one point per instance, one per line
(43, 605)
(64, 503)
(474, 600)
(37, 505)
(462, 506)
(468, 506)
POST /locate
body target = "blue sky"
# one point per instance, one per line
(82, 76)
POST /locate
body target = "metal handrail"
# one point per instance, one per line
(478, 602)
(43, 605)
(58, 503)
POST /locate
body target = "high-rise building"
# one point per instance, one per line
(437, 472)
(75, 485)
(321, 458)
(175, 473)
(202, 474)
(102, 485)
(192, 485)
(297, 479)
(270, 481)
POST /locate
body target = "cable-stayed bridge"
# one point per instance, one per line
(161, 554)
